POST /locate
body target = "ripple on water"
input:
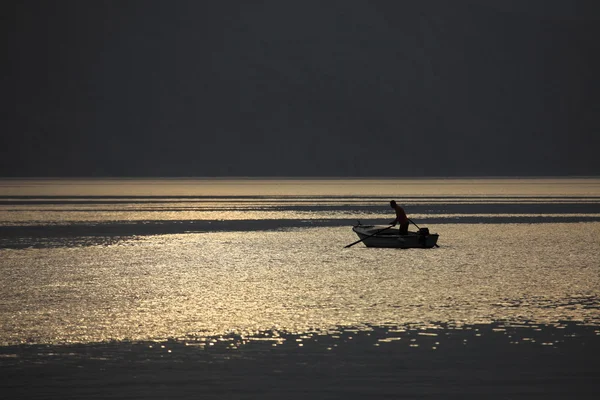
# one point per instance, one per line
(298, 280)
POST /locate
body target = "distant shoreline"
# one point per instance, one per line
(301, 178)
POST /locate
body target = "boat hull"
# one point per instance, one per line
(391, 238)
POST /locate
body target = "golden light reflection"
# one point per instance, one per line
(26, 217)
(193, 286)
(300, 187)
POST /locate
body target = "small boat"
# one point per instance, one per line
(382, 236)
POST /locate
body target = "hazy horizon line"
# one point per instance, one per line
(332, 177)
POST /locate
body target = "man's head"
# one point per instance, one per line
(393, 203)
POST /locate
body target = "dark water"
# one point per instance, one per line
(482, 361)
(243, 289)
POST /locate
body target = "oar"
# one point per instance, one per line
(411, 221)
(358, 241)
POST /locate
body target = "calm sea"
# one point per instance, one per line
(190, 288)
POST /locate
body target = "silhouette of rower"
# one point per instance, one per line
(401, 218)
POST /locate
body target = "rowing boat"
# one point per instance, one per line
(382, 236)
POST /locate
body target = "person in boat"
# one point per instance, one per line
(401, 218)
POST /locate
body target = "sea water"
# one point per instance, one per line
(235, 285)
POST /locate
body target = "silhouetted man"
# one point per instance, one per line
(400, 218)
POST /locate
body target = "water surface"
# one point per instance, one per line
(130, 274)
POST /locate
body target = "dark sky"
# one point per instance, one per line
(300, 88)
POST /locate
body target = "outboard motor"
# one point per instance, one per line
(423, 233)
